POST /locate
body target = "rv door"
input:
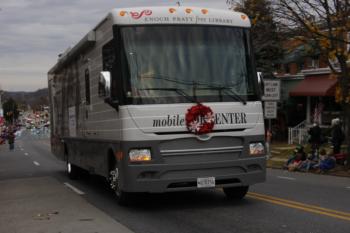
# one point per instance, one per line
(85, 101)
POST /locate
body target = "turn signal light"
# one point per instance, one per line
(119, 155)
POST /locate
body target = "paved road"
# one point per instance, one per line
(287, 202)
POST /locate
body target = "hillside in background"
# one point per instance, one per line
(33, 99)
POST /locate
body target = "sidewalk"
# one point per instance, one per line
(35, 205)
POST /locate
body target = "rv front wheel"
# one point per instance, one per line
(236, 193)
(122, 197)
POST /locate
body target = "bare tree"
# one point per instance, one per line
(267, 41)
(231, 4)
(326, 25)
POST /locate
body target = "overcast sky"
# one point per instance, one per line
(34, 32)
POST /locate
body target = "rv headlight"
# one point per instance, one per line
(140, 155)
(257, 148)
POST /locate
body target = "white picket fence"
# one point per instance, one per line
(298, 134)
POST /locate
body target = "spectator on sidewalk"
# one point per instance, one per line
(327, 163)
(315, 138)
(296, 159)
(268, 143)
(11, 139)
(2, 137)
(337, 136)
(313, 161)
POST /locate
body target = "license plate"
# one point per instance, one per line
(206, 182)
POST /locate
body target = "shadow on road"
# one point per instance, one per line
(161, 201)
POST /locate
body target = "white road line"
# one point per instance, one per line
(348, 187)
(22, 149)
(74, 189)
(36, 163)
(286, 178)
(26, 154)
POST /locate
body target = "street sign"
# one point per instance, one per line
(270, 110)
(272, 90)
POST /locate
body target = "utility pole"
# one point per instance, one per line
(1, 111)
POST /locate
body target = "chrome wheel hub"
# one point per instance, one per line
(113, 180)
(69, 168)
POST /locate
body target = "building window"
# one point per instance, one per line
(314, 63)
(87, 87)
(300, 66)
(286, 68)
(348, 43)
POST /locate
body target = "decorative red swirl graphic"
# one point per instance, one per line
(194, 121)
(138, 15)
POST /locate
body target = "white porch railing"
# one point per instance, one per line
(298, 134)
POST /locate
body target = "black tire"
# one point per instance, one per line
(123, 198)
(72, 171)
(236, 193)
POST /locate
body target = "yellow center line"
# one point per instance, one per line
(301, 206)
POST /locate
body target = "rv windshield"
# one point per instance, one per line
(177, 64)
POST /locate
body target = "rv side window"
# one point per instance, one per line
(87, 87)
(109, 63)
(108, 56)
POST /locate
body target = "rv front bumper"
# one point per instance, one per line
(178, 169)
(159, 178)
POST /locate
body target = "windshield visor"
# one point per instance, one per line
(181, 64)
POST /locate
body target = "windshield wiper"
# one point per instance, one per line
(167, 78)
(177, 90)
(227, 90)
(195, 85)
(234, 95)
(179, 81)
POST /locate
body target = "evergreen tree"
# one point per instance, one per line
(266, 41)
(10, 111)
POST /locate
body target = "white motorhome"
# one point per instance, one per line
(161, 99)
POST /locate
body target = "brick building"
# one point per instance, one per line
(308, 89)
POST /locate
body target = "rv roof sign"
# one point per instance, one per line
(179, 15)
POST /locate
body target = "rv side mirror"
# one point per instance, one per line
(261, 82)
(104, 85)
(104, 89)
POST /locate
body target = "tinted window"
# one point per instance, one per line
(87, 87)
(167, 63)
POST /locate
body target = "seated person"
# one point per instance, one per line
(312, 162)
(327, 163)
(296, 159)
